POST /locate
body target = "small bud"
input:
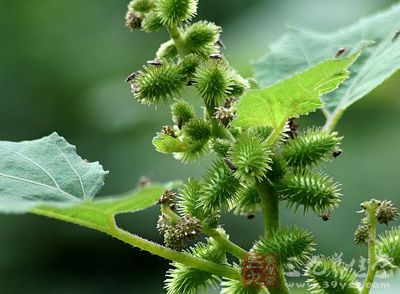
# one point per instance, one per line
(230, 102)
(132, 20)
(361, 235)
(223, 115)
(168, 198)
(162, 224)
(186, 229)
(168, 130)
(387, 212)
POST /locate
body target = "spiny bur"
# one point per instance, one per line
(157, 83)
(293, 245)
(201, 38)
(220, 188)
(252, 158)
(173, 12)
(213, 81)
(314, 191)
(326, 274)
(310, 147)
(389, 247)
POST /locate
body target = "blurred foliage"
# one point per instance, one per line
(62, 67)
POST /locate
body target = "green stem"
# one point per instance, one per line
(109, 227)
(270, 208)
(178, 40)
(372, 256)
(226, 243)
(333, 119)
(173, 255)
(166, 211)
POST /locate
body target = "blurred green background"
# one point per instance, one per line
(62, 68)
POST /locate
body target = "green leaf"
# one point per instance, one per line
(47, 170)
(166, 144)
(299, 50)
(47, 177)
(296, 96)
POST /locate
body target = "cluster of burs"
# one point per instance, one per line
(243, 158)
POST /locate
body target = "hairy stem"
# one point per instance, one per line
(228, 245)
(178, 40)
(172, 216)
(270, 207)
(333, 119)
(173, 255)
(112, 229)
(372, 256)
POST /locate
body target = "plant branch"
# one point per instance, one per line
(178, 40)
(372, 256)
(270, 208)
(181, 257)
(112, 229)
(228, 245)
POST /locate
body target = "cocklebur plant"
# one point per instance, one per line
(260, 155)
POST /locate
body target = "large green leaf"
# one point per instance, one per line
(296, 96)
(299, 50)
(47, 170)
(47, 177)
